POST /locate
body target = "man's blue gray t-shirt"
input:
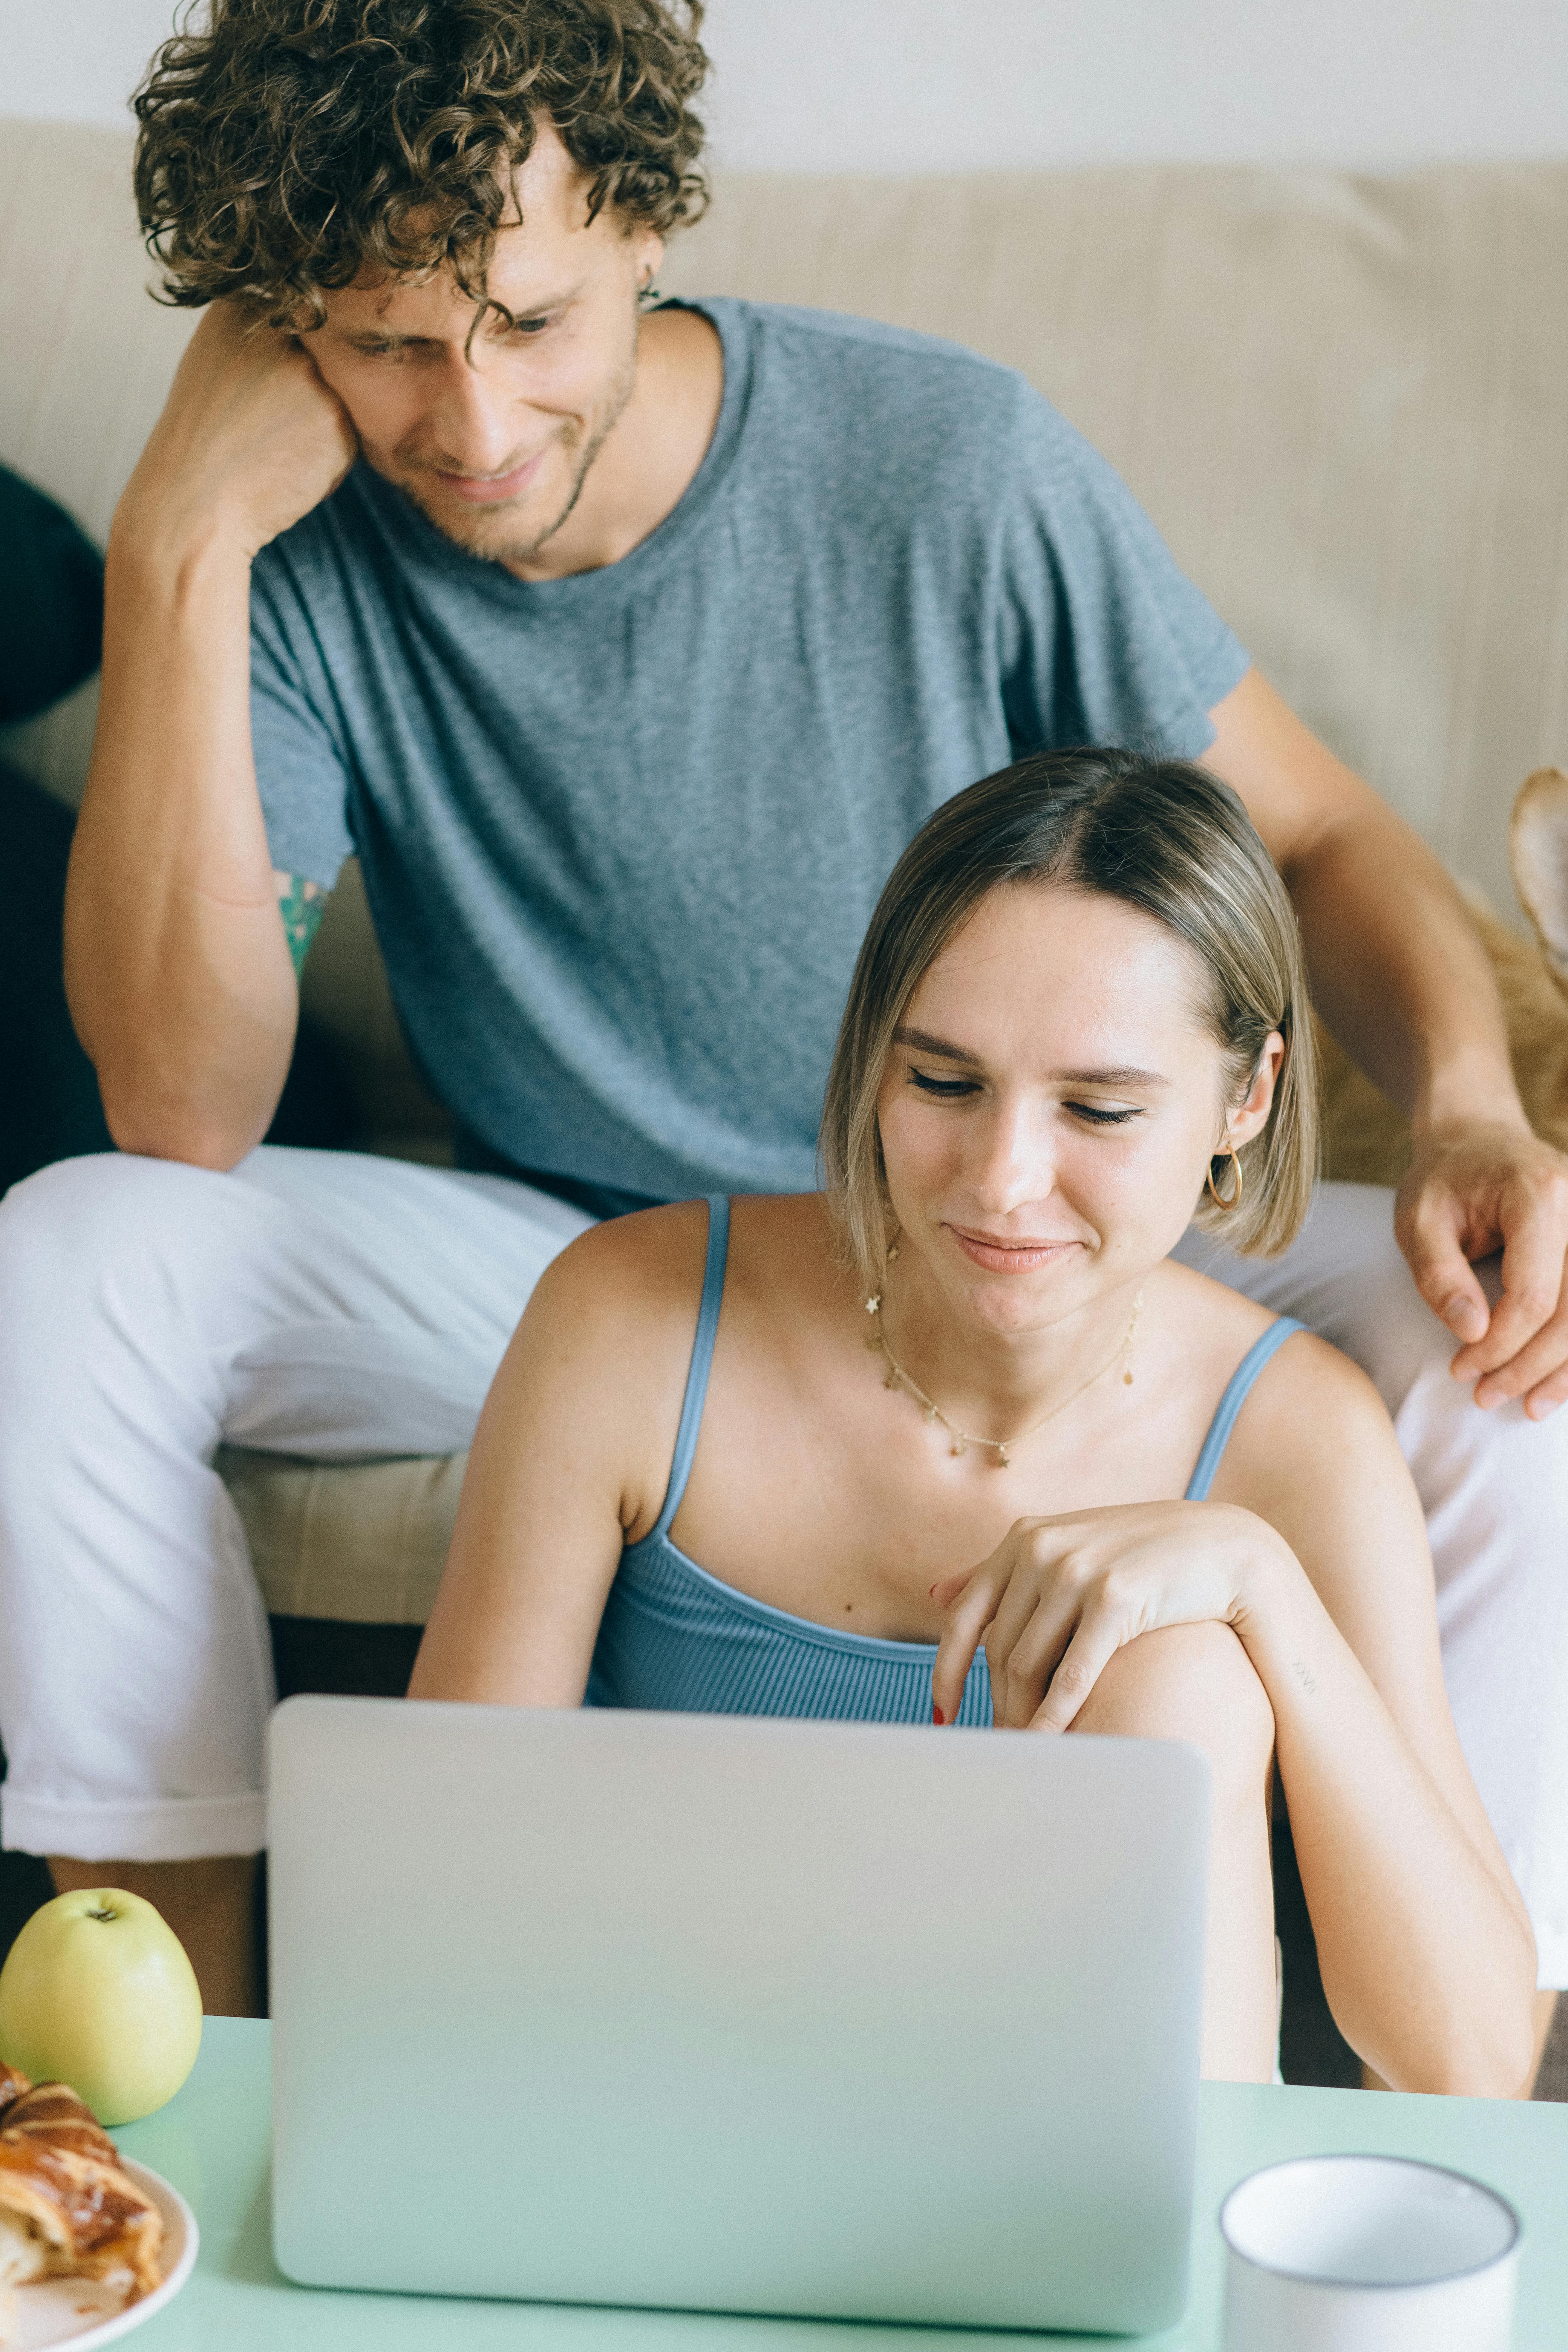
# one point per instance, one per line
(622, 833)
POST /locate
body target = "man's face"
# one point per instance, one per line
(490, 430)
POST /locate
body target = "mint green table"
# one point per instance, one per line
(211, 2142)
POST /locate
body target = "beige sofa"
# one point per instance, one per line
(1343, 400)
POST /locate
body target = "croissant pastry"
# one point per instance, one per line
(67, 2210)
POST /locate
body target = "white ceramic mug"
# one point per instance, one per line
(1367, 2254)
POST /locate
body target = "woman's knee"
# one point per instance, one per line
(1194, 1683)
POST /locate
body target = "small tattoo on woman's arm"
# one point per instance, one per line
(302, 905)
(1304, 1676)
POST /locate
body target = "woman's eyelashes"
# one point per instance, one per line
(958, 1090)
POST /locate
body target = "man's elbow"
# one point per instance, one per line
(193, 1098)
(198, 1137)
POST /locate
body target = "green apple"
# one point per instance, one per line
(97, 1992)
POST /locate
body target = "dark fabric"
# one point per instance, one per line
(1311, 2047)
(316, 1110)
(51, 601)
(51, 633)
(49, 1107)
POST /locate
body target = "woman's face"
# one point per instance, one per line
(1051, 1103)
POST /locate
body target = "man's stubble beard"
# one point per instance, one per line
(480, 539)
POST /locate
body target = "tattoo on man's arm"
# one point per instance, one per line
(302, 905)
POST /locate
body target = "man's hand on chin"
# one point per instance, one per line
(1473, 1190)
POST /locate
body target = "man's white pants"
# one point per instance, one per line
(344, 1307)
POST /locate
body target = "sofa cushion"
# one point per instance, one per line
(362, 1541)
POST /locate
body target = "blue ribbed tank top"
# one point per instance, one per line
(675, 1638)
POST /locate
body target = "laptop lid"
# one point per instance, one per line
(746, 2014)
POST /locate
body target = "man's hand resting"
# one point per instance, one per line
(249, 440)
(1468, 1194)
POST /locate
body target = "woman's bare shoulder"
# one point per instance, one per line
(1310, 1386)
(591, 1387)
(635, 1282)
(1312, 1432)
(603, 1349)
(1230, 1323)
(1314, 1454)
(1310, 1409)
(628, 1270)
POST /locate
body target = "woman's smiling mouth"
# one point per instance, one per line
(1003, 1256)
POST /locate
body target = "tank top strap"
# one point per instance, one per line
(1236, 1394)
(702, 1362)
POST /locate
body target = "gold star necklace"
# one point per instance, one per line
(962, 1439)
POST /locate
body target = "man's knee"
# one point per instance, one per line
(70, 1215)
(1193, 1682)
(89, 1253)
(1375, 1314)
(65, 1226)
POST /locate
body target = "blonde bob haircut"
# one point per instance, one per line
(1159, 834)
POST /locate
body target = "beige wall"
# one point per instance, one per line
(961, 85)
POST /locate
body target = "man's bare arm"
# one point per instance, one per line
(1402, 979)
(177, 967)
(1397, 970)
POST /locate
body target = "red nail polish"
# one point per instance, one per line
(936, 1716)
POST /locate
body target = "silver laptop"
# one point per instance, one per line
(724, 2013)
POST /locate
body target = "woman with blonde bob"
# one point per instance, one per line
(957, 1442)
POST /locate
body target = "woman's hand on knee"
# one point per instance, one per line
(1059, 1597)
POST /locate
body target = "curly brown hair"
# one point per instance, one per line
(292, 143)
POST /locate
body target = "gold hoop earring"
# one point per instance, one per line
(1222, 1200)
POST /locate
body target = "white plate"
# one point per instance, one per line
(78, 2312)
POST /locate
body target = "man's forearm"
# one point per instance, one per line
(1402, 979)
(1400, 975)
(1396, 968)
(176, 963)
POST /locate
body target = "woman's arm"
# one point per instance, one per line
(569, 1460)
(1425, 1950)
(1424, 1945)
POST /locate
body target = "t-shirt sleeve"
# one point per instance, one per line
(301, 766)
(1105, 640)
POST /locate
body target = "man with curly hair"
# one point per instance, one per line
(625, 647)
